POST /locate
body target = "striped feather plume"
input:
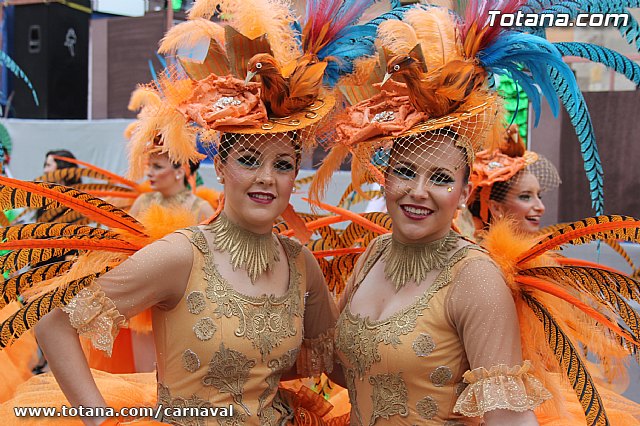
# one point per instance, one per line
(584, 231)
(69, 174)
(103, 174)
(575, 302)
(15, 194)
(32, 312)
(11, 288)
(574, 367)
(52, 230)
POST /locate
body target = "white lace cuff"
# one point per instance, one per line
(95, 316)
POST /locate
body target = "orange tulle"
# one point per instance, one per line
(16, 363)
(121, 360)
(129, 390)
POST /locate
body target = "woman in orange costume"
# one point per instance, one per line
(432, 330)
(509, 182)
(235, 307)
(133, 349)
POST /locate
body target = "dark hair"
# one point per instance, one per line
(61, 164)
(229, 139)
(193, 166)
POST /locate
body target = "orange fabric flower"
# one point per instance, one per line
(225, 101)
(385, 114)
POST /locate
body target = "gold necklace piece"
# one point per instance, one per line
(176, 199)
(412, 262)
(252, 252)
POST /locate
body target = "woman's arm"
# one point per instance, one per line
(482, 309)
(320, 315)
(156, 275)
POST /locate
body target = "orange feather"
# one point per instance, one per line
(354, 217)
(318, 223)
(297, 224)
(89, 207)
(554, 290)
(73, 243)
(568, 261)
(112, 176)
(584, 229)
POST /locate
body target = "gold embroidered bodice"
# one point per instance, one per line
(405, 369)
(237, 346)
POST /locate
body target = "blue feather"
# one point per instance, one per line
(395, 13)
(353, 43)
(153, 72)
(512, 50)
(603, 55)
(572, 7)
(630, 31)
(579, 114)
(6, 61)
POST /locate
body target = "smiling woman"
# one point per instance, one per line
(258, 172)
(509, 182)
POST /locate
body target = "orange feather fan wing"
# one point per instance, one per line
(600, 294)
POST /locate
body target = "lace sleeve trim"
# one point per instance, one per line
(316, 355)
(95, 316)
(500, 387)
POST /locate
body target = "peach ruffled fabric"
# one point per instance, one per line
(388, 113)
(500, 387)
(316, 355)
(225, 101)
(95, 316)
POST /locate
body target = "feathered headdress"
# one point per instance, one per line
(446, 59)
(502, 165)
(213, 91)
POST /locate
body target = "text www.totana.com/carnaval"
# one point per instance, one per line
(153, 412)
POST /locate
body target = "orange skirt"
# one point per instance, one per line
(16, 364)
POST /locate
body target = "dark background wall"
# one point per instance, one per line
(616, 120)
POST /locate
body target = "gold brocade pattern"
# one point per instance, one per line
(423, 345)
(500, 387)
(360, 337)
(390, 396)
(265, 320)
(427, 407)
(168, 403)
(441, 376)
(228, 372)
(196, 302)
(204, 328)
(255, 253)
(95, 317)
(277, 366)
(190, 361)
(224, 361)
